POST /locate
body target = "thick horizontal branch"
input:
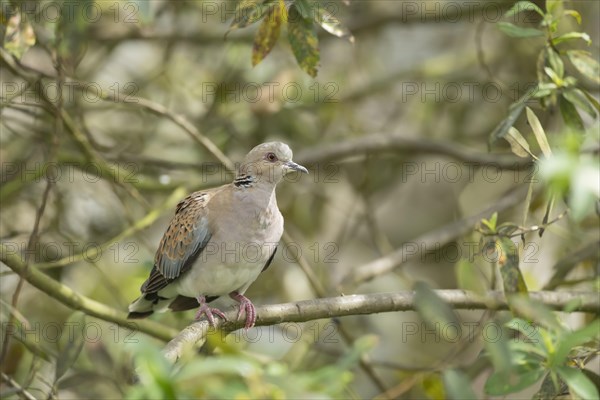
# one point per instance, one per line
(76, 301)
(395, 143)
(358, 304)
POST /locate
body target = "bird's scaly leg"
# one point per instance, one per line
(245, 305)
(208, 311)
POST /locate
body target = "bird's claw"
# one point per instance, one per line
(247, 306)
(209, 312)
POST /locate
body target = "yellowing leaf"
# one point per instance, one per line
(248, 12)
(518, 144)
(303, 39)
(267, 34)
(19, 36)
(586, 64)
(538, 131)
(573, 14)
(572, 36)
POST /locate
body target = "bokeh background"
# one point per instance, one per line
(434, 76)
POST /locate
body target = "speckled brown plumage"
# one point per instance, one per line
(201, 254)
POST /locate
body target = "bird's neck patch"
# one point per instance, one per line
(244, 181)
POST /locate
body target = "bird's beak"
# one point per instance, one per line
(292, 166)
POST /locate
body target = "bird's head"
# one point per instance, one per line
(270, 161)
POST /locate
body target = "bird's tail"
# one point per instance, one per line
(141, 307)
(146, 304)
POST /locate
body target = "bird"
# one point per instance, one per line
(220, 240)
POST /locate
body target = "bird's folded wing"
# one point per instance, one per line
(182, 243)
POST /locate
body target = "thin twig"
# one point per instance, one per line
(33, 239)
(140, 224)
(378, 143)
(429, 240)
(20, 390)
(322, 292)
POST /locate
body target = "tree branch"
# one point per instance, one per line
(32, 74)
(137, 226)
(359, 304)
(429, 240)
(387, 143)
(18, 388)
(76, 301)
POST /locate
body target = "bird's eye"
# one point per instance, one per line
(271, 157)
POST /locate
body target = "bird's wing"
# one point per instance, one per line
(182, 243)
(270, 260)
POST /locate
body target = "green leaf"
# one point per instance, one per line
(305, 8)
(507, 229)
(577, 98)
(572, 36)
(573, 14)
(491, 223)
(521, 6)
(518, 144)
(332, 25)
(457, 385)
(154, 371)
(498, 351)
(267, 34)
(570, 115)
(514, 379)
(592, 100)
(303, 39)
(527, 203)
(554, 76)
(585, 64)
(469, 277)
(71, 343)
(530, 332)
(548, 389)
(432, 308)
(514, 112)
(248, 12)
(539, 133)
(556, 62)
(539, 93)
(509, 267)
(513, 30)
(578, 383)
(573, 339)
(224, 364)
(536, 311)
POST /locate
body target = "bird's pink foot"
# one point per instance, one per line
(245, 305)
(208, 311)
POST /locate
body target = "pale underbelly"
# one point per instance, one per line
(217, 280)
